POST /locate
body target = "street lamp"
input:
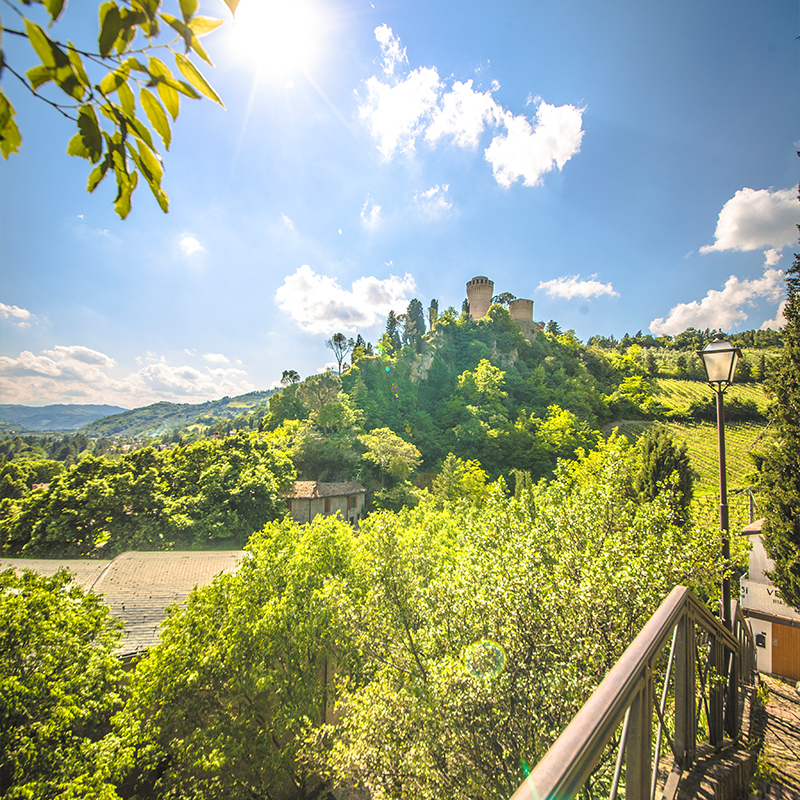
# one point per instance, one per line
(719, 359)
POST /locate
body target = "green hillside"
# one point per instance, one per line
(162, 418)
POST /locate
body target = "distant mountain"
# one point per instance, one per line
(161, 418)
(52, 418)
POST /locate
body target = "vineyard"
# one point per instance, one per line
(701, 444)
(680, 394)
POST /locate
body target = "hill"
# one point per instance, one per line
(69, 417)
(161, 418)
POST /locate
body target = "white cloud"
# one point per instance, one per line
(370, 213)
(190, 245)
(319, 305)
(80, 374)
(393, 54)
(216, 358)
(434, 203)
(401, 110)
(463, 114)
(287, 223)
(20, 317)
(569, 288)
(723, 309)
(752, 219)
(397, 114)
(529, 151)
(779, 321)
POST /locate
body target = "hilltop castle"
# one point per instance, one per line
(480, 291)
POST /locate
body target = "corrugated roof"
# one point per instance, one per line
(138, 587)
(309, 490)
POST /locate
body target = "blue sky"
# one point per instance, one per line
(626, 165)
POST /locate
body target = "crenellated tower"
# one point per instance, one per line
(479, 294)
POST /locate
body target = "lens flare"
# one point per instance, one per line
(485, 659)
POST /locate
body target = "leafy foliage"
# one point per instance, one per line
(60, 682)
(101, 86)
(221, 706)
(210, 491)
(552, 585)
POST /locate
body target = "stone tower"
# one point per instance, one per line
(522, 311)
(479, 295)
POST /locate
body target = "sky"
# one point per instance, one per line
(626, 165)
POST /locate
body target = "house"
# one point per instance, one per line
(309, 498)
(775, 625)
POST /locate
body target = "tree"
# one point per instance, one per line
(112, 133)
(60, 683)
(665, 468)
(341, 346)
(243, 674)
(388, 459)
(414, 327)
(779, 466)
(553, 327)
(392, 324)
(290, 376)
(504, 298)
(318, 390)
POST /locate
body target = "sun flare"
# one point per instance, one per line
(279, 34)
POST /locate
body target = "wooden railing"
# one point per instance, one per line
(706, 669)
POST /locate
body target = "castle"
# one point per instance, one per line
(480, 291)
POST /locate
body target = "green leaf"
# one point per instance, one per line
(151, 162)
(155, 113)
(90, 130)
(77, 65)
(140, 131)
(56, 63)
(39, 75)
(126, 184)
(54, 8)
(170, 99)
(45, 48)
(88, 142)
(192, 74)
(126, 99)
(10, 138)
(97, 174)
(192, 42)
(202, 25)
(232, 4)
(110, 27)
(114, 79)
(188, 8)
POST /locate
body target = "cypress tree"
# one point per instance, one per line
(779, 466)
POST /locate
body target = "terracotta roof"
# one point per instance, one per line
(138, 587)
(309, 490)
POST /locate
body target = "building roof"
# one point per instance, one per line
(310, 490)
(138, 587)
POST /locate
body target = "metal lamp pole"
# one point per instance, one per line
(719, 359)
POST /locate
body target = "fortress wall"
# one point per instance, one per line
(479, 293)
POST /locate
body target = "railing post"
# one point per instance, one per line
(638, 750)
(685, 723)
(716, 693)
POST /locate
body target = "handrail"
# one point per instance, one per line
(628, 690)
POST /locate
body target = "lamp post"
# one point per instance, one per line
(719, 359)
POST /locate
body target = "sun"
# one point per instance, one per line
(279, 35)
